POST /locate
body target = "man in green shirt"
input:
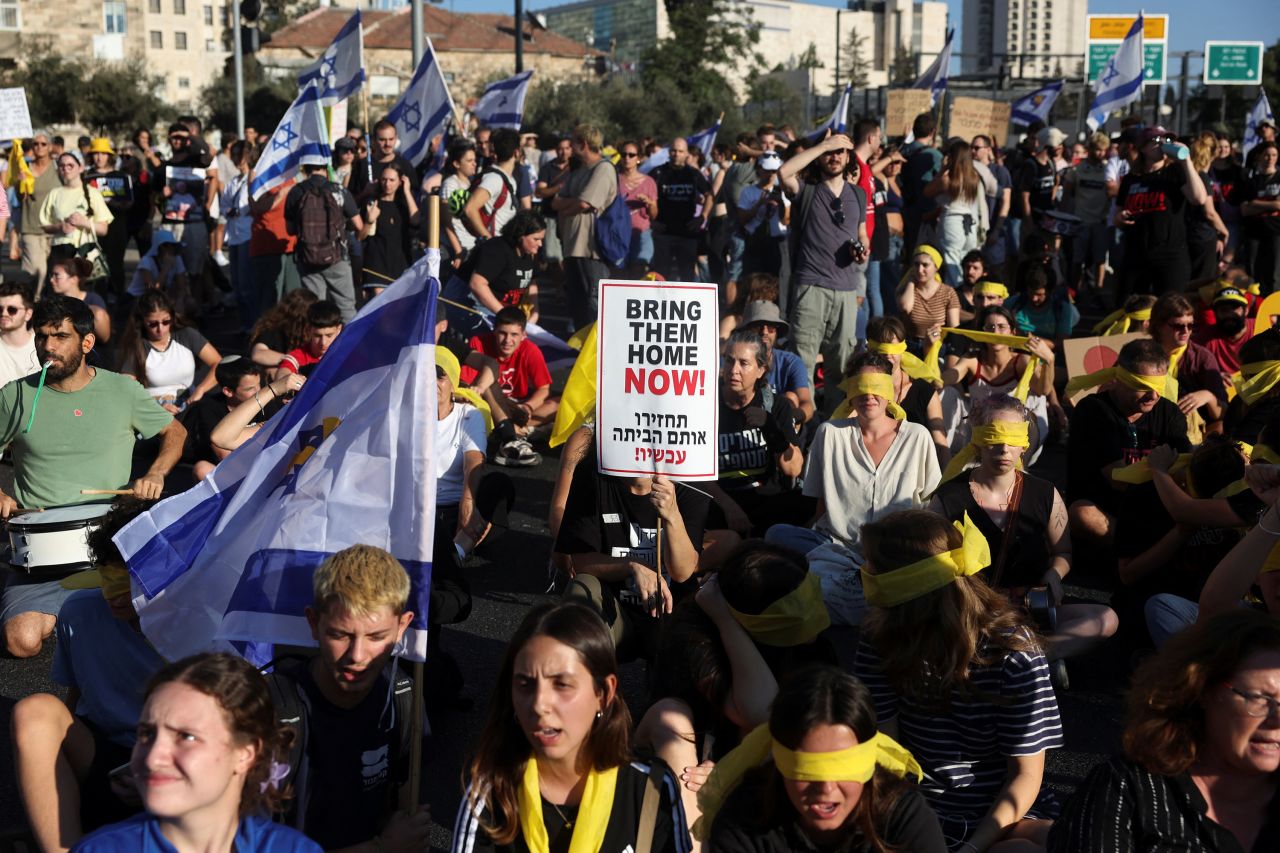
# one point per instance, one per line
(76, 433)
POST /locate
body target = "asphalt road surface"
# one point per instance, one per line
(510, 575)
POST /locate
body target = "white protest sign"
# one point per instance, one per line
(657, 399)
(15, 118)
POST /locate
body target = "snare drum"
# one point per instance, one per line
(56, 541)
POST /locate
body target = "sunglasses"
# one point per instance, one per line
(11, 310)
(1181, 327)
(157, 324)
(39, 145)
(630, 154)
(837, 207)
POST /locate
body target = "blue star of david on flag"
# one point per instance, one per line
(423, 112)
(413, 118)
(1120, 82)
(339, 72)
(284, 137)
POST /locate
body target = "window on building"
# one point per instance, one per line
(113, 16)
(10, 19)
(210, 45)
(184, 82)
(157, 40)
(179, 7)
(153, 6)
(180, 41)
(208, 16)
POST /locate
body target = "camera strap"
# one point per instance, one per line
(1010, 531)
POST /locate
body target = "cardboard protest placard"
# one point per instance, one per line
(1268, 314)
(15, 118)
(973, 116)
(903, 107)
(1085, 355)
(657, 399)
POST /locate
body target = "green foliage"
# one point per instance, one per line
(771, 99)
(51, 82)
(118, 97)
(856, 60)
(809, 59)
(277, 13)
(903, 71)
(265, 99)
(620, 109)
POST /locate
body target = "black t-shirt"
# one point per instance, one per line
(363, 189)
(203, 416)
(679, 191)
(749, 439)
(670, 834)
(880, 233)
(1101, 435)
(387, 251)
(1199, 229)
(741, 827)
(117, 191)
(1227, 180)
(1027, 557)
(602, 516)
(1260, 187)
(354, 765)
(1158, 206)
(1037, 178)
(508, 274)
(916, 403)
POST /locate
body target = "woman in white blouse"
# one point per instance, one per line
(161, 353)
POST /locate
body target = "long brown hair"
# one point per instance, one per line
(1166, 726)
(962, 178)
(133, 343)
(503, 748)
(289, 317)
(246, 702)
(929, 644)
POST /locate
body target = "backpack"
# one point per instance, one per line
(291, 706)
(321, 226)
(506, 197)
(613, 232)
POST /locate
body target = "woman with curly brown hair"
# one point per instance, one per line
(1201, 765)
(282, 329)
(205, 764)
(959, 679)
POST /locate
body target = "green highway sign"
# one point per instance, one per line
(1153, 53)
(1233, 63)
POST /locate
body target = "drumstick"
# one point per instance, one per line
(106, 491)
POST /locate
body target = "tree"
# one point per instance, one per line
(265, 99)
(809, 59)
(856, 61)
(903, 71)
(117, 97)
(621, 110)
(50, 81)
(770, 98)
(277, 13)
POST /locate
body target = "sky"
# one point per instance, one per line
(1191, 22)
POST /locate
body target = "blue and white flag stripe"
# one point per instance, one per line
(1120, 81)
(300, 139)
(502, 104)
(703, 140)
(838, 121)
(935, 76)
(349, 461)
(423, 110)
(1259, 115)
(1036, 106)
(339, 72)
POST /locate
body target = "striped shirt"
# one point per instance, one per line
(671, 833)
(1010, 712)
(1122, 808)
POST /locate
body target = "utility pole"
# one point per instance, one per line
(237, 39)
(838, 11)
(1182, 95)
(419, 37)
(519, 36)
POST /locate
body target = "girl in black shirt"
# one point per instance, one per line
(391, 219)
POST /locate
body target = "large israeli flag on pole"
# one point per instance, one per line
(935, 76)
(1036, 106)
(703, 140)
(423, 110)
(300, 139)
(838, 121)
(340, 69)
(502, 104)
(1259, 115)
(349, 461)
(1120, 82)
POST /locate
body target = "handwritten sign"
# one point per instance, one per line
(658, 396)
(973, 116)
(903, 107)
(15, 118)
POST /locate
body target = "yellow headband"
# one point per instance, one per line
(1258, 453)
(1257, 379)
(1117, 322)
(908, 363)
(793, 620)
(892, 588)
(855, 764)
(926, 249)
(448, 362)
(1023, 389)
(877, 385)
(991, 288)
(887, 349)
(988, 435)
(1136, 381)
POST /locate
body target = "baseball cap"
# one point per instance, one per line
(344, 143)
(769, 161)
(1230, 294)
(1051, 137)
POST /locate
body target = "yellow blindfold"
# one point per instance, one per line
(892, 588)
(793, 620)
(1013, 434)
(876, 385)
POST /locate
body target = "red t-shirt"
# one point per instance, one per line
(268, 234)
(869, 188)
(520, 375)
(296, 361)
(1227, 352)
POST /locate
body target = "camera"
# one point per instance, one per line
(1038, 602)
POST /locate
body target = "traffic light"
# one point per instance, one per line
(251, 37)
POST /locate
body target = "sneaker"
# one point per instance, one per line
(220, 258)
(517, 454)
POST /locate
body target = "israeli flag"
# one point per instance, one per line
(340, 69)
(703, 140)
(351, 460)
(1120, 82)
(502, 104)
(1036, 106)
(838, 121)
(300, 139)
(1259, 115)
(934, 77)
(423, 110)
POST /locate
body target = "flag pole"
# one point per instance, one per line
(415, 736)
(364, 101)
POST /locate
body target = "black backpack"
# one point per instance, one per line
(321, 225)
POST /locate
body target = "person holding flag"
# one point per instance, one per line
(1260, 127)
(1120, 81)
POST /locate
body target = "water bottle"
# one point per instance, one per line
(1175, 150)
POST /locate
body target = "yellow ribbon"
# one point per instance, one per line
(889, 589)
(448, 362)
(916, 368)
(991, 288)
(19, 174)
(1256, 380)
(877, 384)
(1014, 434)
(1117, 322)
(1257, 453)
(593, 813)
(1140, 471)
(1023, 389)
(578, 400)
(1272, 563)
(793, 620)
(855, 764)
(1136, 381)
